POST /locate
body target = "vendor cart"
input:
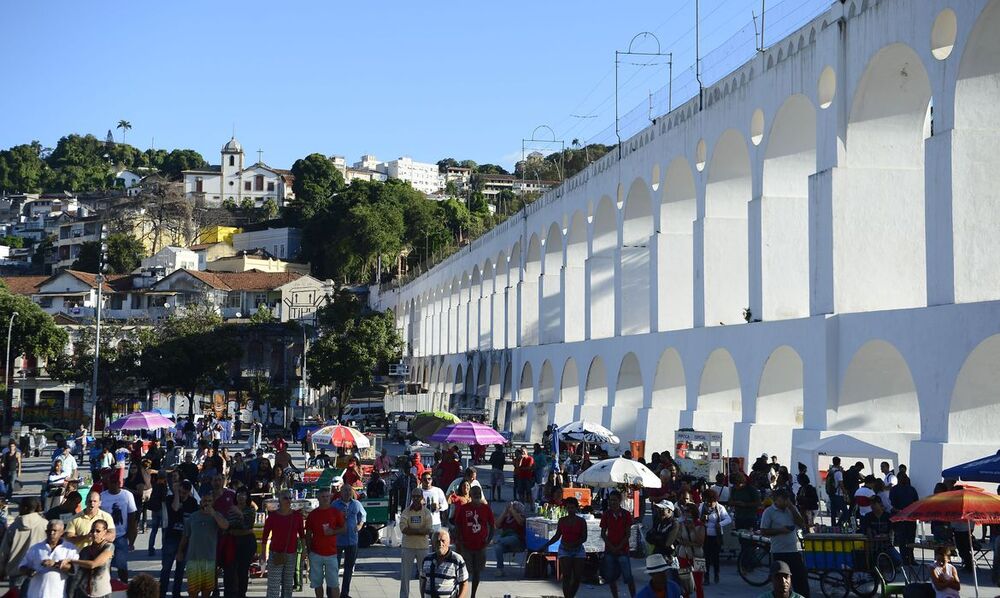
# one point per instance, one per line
(841, 563)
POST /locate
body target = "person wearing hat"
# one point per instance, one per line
(781, 582)
(663, 534)
(659, 585)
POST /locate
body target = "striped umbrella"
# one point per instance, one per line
(468, 433)
(141, 420)
(340, 436)
(589, 432)
(970, 504)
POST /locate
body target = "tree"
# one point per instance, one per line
(125, 253)
(167, 217)
(12, 241)
(193, 352)
(125, 126)
(269, 210)
(316, 179)
(22, 168)
(263, 315)
(347, 359)
(179, 160)
(444, 165)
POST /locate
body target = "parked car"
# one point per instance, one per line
(52, 434)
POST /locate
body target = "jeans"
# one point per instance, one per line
(155, 522)
(509, 543)
(412, 559)
(168, 555)
(348, 556)
(838, 510)
(905, 532)
(800, 575)
(712, 548)
(236, 575)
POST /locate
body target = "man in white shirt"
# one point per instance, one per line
(69, 465)
(121, 505)
(888, 475)
(434, 499)
(49, 562)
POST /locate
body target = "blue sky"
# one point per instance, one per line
(428, 80)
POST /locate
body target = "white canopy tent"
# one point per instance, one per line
(844, 446)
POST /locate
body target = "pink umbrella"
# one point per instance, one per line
(141, 420)
(468, 433)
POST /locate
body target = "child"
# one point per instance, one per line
(944, 576)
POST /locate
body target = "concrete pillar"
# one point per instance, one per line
(574, 297)
(755, 285)
(511, 322)
(938, 214)
(527, 308)
(601, 296)
(821, 243)
(485, 322)
(550, 321)
(698, 293)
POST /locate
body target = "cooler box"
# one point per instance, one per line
(537, 531)
(377, 510)
(582, 495)
(826, 552)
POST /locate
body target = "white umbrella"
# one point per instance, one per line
(589, 432)
(610, 473)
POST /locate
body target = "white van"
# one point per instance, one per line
(365, 413)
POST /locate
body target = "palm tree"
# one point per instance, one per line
(125, 126)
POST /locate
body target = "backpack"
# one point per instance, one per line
(807, 498)
(831, 481)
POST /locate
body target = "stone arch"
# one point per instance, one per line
(877, 395)
(637, 229)
(545, 397)
(675, 269)
(628, 399)
(669, 386)
(551, 315)
(977, 118)
(575, 280)
(602, 270)
(569, 387)
(595, 392)
(780, 390)
(726, 252)
(879, 259)
(525, 396)
(482, 381)
(529, 292)
(720, 400)
(789, 160)
(458, 385)
(974, 416)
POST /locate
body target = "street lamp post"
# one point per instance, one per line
(6, 367)
(102, 264)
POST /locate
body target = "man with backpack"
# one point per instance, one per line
(836, 493)
(807, 500)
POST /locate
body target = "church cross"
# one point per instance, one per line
(260, 153)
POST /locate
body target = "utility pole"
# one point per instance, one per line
(6, 367)
(102, 266)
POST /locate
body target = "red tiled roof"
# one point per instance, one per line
(201, 246)
(255, 280)
(112, 282)
(23, 285)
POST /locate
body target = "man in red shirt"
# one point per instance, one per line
(322, 526)
(474, 528)
(524, 475)
(448, 469)
(616, 523)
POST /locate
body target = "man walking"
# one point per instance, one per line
(347, 542)
(474, 530)
(434, 500)
(616, 523)
(779, 522)
(47, 563)
(443, 573)
(524, 475)
(78, 528)
(121, 506)
(322, 527)
(415, 523)
(10, 464)
(177, 507)
(198, 548)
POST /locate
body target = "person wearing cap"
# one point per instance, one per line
(781, 582)
(659, 585)
(779, 522)
(663, 535)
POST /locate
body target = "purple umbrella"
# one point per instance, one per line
(141, 420)
(468, 433)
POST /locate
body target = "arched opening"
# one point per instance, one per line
(669, 387)
(878, 400)
(595, 392)
(975, 163)
(544, 402)
(575, 279)
(779, 405)
(529, 292)
(525, 396)
(637, 228)
(788, 163)
(482, 387)
(628, 399)
(457, 388)
(719, 397)
(676, 256)
(602, 270)
(879, 259)
(974, 417)
(551, 316)
(569, 387)
(503, 415)
(500, 283)
(726, 251)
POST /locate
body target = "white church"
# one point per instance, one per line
(232, 180)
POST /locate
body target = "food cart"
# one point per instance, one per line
(698, 453)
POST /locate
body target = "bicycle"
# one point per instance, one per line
(754, 560)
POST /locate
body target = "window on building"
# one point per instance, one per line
(232, 160)
(282, 250)
(246, 185)
(199, 185)
(270, 186)
(259, 182)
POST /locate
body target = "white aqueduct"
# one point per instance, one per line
(844, 185)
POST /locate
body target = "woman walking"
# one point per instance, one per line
(714, 517)
(690, 552)
(95, 563)
(237, 558)
(572, 530)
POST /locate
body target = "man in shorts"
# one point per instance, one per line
(322, 526)
(198, 547)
